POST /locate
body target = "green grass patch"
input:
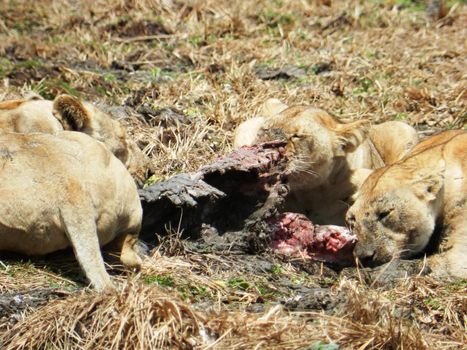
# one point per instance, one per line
(319, 345)
(433, 303)
(50, 88)
(411, 5)
(273, 19)
(6, 66)
(161, 280)
(401, 116)
(239, 283)
(457, 285)
(276, 269)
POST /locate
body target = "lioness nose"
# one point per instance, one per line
(363, 252)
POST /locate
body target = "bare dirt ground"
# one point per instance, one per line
(181, 75)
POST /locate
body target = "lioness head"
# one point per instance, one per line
(394, 215)
(76, 115)
(315, 142)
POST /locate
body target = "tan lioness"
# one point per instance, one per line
(68, 113)
(420, 200)
(328, 159)
(66, 190)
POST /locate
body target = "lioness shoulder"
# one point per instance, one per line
(416, 203)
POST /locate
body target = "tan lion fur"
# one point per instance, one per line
(66, 190)
(422, 199)
(68, 113)
(328, 159)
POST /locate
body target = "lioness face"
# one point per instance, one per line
(392, 218)
(115, 137)
(314, 142)
(85, 117)
(309, 150)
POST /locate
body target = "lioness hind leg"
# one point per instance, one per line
(129, 256)
(82, 233)
(452, 259)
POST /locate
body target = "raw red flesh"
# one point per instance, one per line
(294, 234)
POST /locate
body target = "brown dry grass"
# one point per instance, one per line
(381, 60)
(416, 314)
(200, 57)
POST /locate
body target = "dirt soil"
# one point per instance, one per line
(181, 75)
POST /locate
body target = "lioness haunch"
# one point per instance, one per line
(67, 190)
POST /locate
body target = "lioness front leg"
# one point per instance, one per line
(452, 261)
(129, 256)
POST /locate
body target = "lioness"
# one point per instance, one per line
(328, 159)
(68, 113)
(66, 190)
(421, 199)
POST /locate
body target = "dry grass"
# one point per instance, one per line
(377, 60)
(381, 60)
(416, 314)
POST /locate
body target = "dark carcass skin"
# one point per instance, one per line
(235, 204)
(221, 195)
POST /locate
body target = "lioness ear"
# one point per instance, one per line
(272, 107)
(351, 135)
(429, 183)
(71, 113)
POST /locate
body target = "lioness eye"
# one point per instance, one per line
(295, 136)
(383, 214)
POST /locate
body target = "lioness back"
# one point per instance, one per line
(39, 117)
